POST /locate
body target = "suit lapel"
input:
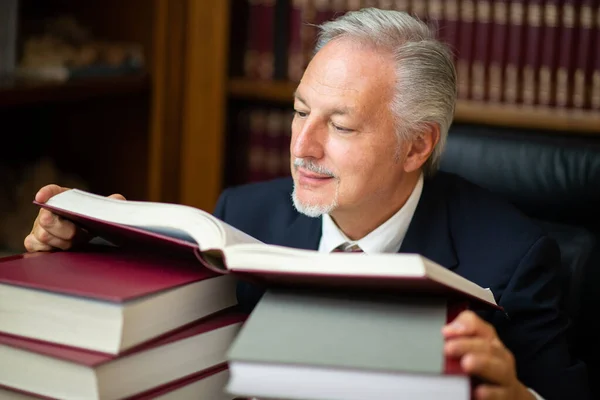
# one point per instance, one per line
(429, 231)
(303, 233)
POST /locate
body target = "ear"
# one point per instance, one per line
(421, 147)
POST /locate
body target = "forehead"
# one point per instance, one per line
(343, 71)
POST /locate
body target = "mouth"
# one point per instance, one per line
(310, 178)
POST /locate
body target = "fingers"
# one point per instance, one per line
(458, 347)
(50, 232)
(48, 191)
(117, 196)
(467, 323)
(490, 369)
(490, 392)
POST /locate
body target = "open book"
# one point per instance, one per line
(225, 249)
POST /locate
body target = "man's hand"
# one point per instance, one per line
(51, 232)
(483, 355)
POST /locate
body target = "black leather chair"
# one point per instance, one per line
(554, 179)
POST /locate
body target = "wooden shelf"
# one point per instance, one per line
(43, 92)
(585, 122)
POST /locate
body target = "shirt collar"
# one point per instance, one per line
(386, 238)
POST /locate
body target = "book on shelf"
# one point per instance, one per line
(62, 372)
(322, 345)
(224, 249)
(111, 300)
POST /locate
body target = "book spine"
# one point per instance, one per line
(564, 71)
(451, 32)
(498, 50)
(512, 72)
(284, 142)
(296, 58)
(436, 17)
(548, 61)
(465, 47)
(251, 56)
(583, 57)
(454, 308)
(531, 65)
(266, 63)
(280, 38)
(595, 92)
(482, 44)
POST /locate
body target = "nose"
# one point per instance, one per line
(308, 138)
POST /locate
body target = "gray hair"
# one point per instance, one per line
(426, 78)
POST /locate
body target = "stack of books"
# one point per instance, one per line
(108, 323)
(337, 326)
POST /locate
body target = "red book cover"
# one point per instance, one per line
(295, 52)
(532, 63)
(566, 51)
(514, 57)
(465, 47)
(499, 39)
(101, 273)
(483, 27)
(595, 94)
(548, 50)
(450, 29)
(584, 54)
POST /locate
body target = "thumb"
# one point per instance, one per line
(117, 196)
(47, 192)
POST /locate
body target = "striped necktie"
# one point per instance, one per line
(347, 248)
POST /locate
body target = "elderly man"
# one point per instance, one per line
(372, 114)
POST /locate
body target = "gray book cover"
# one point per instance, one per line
(339, 331)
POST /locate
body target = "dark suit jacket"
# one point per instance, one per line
(467, 230)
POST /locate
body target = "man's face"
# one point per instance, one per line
(345, 154)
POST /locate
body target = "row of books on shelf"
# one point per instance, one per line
(156, 316)
(534, 52)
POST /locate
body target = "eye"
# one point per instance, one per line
(341, 128)
(300, 114)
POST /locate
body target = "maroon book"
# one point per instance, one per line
(497, 62)
(465, 47)
(67, 372)
(296, 58)
(584, 55)
(265, 27)
(449, 31)
(514, 58)
(483, 28)
(531, 67)
(110, 299)
(550, 34)
(252, 50)
(566, 52)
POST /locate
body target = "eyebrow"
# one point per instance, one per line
(335, 111)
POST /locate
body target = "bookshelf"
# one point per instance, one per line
(23, 93)
(582, 122)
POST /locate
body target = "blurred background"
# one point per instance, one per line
(175, 100)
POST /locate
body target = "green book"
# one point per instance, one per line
(302, 345)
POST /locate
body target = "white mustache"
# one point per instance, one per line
(312, 167)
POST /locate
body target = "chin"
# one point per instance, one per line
(311, 204)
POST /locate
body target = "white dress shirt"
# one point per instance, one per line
(387, 238)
